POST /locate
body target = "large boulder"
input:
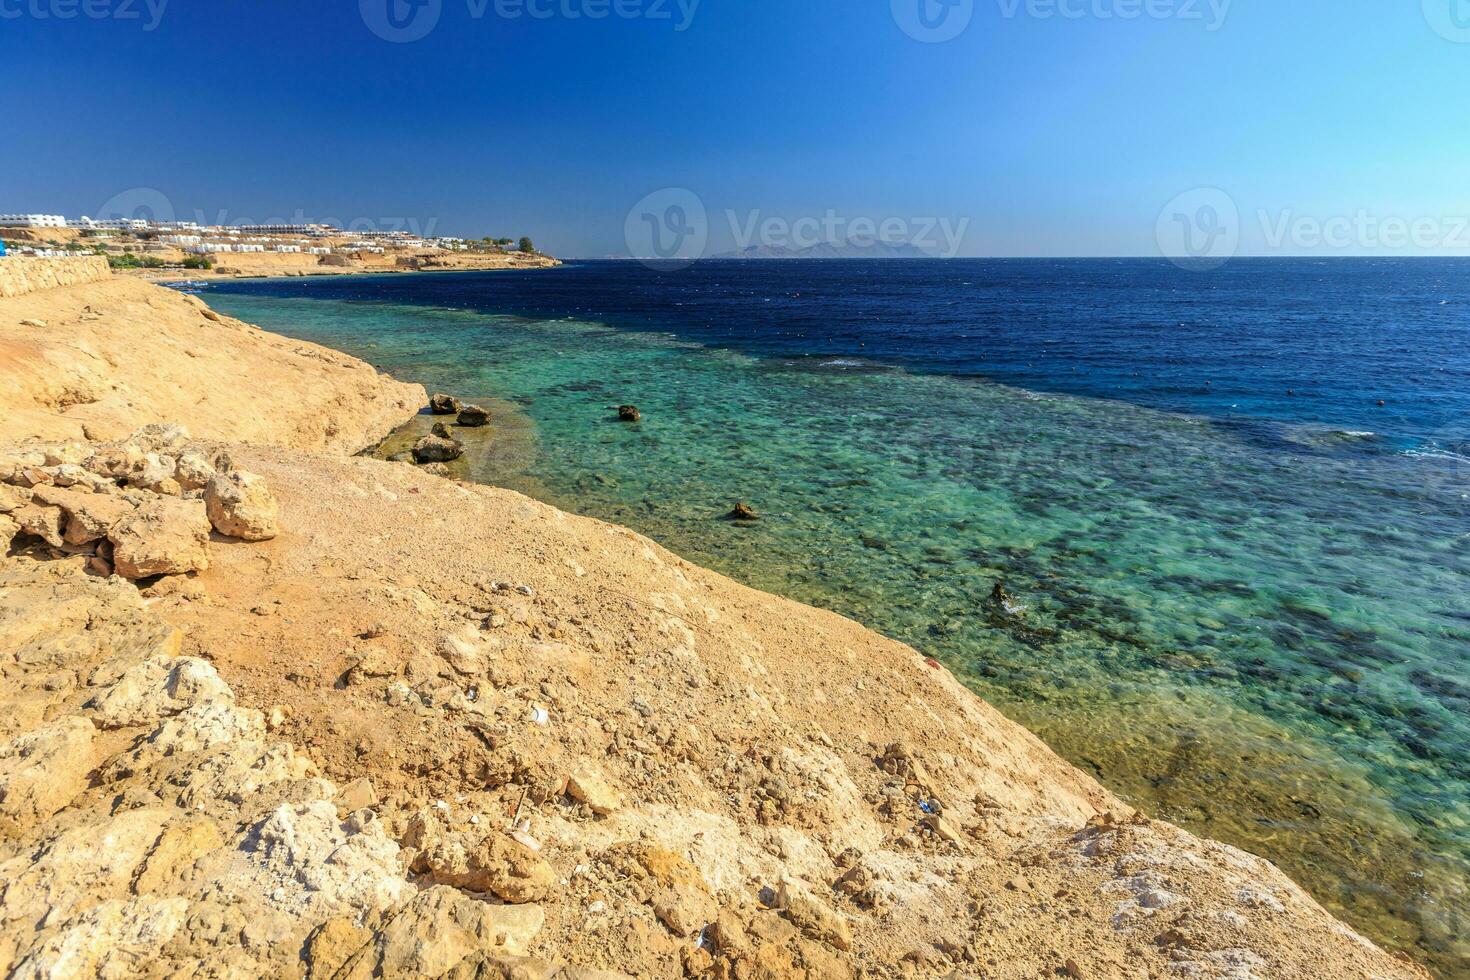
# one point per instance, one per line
(240, 505)
(165, 536)
(436, 449)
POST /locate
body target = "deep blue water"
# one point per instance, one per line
(1340, 334)
(1246, 583)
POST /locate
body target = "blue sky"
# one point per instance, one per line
(1039, 133)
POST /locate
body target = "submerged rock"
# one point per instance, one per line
(473, 417)
(442, 404)
(629, 413)
(442, 431)
(436, 449)
(743, 512)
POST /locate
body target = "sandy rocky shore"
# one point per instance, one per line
(274, 709)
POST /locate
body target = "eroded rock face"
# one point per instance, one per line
(42, 771)
(240, 505)
(164, 536)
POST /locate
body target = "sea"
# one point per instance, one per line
(1229, 509)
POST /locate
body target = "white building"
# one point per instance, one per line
(32, 221)
(112, 224)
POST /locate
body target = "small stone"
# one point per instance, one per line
(357, 795)
(33, 323)
(594, 790)
(629, 413)
(815, 919)
(442, 431)
(473, 417)
(743, 512)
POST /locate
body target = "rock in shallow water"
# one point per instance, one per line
(436, 449)
(743, 512)
(473, 417)
(442, 404)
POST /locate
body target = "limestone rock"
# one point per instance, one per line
(179, 846)
(240, 505)
(42, 771)
(332, 945)
(498, 865)
(193, 470)
(440, 929)
(464, 651)
(473, 417)
(8, 530)
(163, 537)
(593, 789)
(322, 865)
(357, 795)
(434, 449)
(160, 437)
(43, 522)
(812, 916)
(155, 689)
(89, 516)
(12, 498)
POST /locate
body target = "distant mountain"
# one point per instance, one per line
(852, 249)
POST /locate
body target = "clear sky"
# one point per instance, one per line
(1043, 127)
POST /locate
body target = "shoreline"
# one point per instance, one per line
(754, 774)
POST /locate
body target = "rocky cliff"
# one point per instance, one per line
(268, 710)
(100, 359)
(20, 274)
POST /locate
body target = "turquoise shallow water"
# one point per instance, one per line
(1254, 629)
